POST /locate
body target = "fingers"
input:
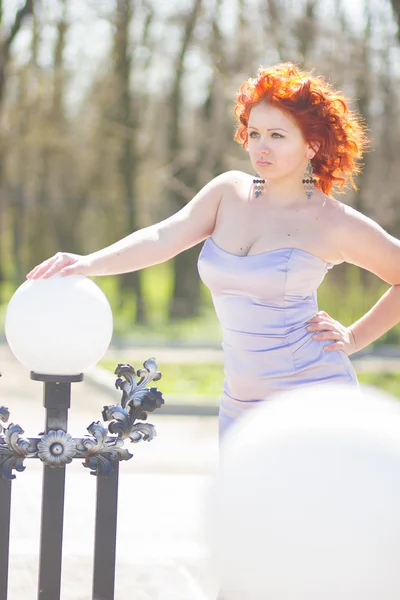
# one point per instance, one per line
(322, 325)
(335, 346)
(56, 267)
(321, 315)
(51, 266)
(327, 328)
(71, 270)
(40, 270)
(327, 335)
(330, 334)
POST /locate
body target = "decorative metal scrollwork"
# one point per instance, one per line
(99, 449)
(4, 416)
(56, 448)
(13, 448)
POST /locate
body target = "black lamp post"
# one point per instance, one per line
(101, 451)
(58, 328)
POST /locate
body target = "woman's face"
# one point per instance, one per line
(276, 144)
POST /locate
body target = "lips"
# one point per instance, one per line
(263, 163)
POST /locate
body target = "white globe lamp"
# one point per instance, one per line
(59, 326)
(306, 504)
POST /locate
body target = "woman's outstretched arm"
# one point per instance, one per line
(148, 246)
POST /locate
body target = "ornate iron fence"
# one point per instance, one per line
(101, 450)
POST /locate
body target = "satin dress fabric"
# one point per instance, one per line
(263, 302)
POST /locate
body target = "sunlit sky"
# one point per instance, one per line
(89, 35)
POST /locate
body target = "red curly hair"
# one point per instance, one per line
(322, 114)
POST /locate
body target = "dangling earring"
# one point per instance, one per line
(258, 187)
(309, 181)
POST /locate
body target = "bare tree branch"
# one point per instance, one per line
(185, 296)
(176, 99)
(276, 31)
(306, 29)
(5, 44)
(23, 12)
(58, 90)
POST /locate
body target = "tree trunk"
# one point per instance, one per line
(6, 41)
(396, 10)
(364, 95)
(186, 285)
(128, 120)
(306, 30)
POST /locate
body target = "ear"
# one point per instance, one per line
(312, 149)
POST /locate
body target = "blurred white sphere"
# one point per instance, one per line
(306, 504)
(60, 325)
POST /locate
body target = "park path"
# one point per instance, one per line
(161, 553)
(381, 358)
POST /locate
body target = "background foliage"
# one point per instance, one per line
(115, 112)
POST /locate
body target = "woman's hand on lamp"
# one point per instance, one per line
(326, 328)
(63, 263)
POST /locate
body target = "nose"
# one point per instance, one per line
(264, 148)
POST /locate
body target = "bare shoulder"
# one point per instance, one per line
(232, 189)
(225, 186)
(235, 176)
(348, 219)
(202, 210)
(363, 242)
(234, 180)
(335, 209)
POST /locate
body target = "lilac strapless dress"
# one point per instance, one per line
(263, 302)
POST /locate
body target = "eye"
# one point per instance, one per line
(253, 134)
(277, 135)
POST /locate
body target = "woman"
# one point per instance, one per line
(271, 240)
